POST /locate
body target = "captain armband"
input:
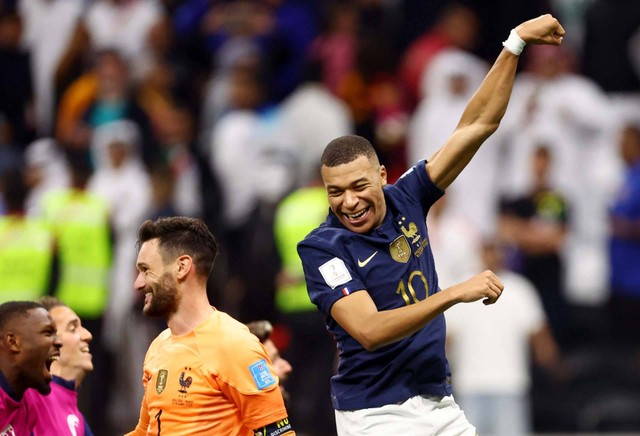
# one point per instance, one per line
(514, 43)
(278, 428)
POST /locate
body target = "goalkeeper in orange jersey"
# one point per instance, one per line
(206, 374)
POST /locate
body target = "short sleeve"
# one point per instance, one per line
(247, 378)
(416, 185)
(329, 275)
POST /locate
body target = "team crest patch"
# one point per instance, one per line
(261, 375)
(184, 382)
(400, 249)
(161, 382)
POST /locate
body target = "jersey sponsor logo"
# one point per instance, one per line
(261, 375)
(73, 422)
(335, 272)
(8, 431)
(400, 249)
(363, 263)
(161, 382)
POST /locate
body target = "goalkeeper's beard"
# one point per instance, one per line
(164, 298)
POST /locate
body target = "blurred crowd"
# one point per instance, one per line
(117, 111)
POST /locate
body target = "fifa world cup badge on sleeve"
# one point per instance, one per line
(261, 375)
(335, 272)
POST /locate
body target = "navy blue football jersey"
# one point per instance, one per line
(394, 264)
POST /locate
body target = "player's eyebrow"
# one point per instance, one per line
(48, 328)
(354, 183)
(142, 265)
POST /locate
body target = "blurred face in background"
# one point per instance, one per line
(541, 163)
(75, 359)
(281, 366)
(492, 255)
(112, 73)
(10, 31)
(118, 153)
(630, 145)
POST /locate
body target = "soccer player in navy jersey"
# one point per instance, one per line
(370, 270)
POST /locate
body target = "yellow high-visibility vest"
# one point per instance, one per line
(299, 213)
(80, 222)
(26, 254)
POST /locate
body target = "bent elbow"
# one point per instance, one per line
(369, 340)
(370, 346)
(489, 129)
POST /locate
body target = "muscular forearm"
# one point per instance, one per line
(489, 104)
(358, 315)
(479, 121)
(389, 326)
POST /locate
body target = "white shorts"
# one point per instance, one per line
(418, 416)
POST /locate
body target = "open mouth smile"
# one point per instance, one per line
(356, 216)
(52, 358)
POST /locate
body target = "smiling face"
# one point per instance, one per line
(75, 359)
(156, 282)
(39, 347)
(355, 193)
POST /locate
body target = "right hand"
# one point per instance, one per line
(485, 285)
(542, 30)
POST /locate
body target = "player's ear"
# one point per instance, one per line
(184, 264)
(383, 175)
(12, 341)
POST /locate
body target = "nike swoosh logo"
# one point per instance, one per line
(362, 263)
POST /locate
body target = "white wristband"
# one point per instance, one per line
(514, 43)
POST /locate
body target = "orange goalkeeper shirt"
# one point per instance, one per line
(214, 380)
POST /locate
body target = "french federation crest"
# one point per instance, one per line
(184, 382)
(161, 382)
(400, 249)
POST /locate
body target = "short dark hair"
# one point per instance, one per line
(49, 302)
(182, 235)
(13, 309)
(261, 328)
(345, 149)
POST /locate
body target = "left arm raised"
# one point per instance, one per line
(488, 105)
